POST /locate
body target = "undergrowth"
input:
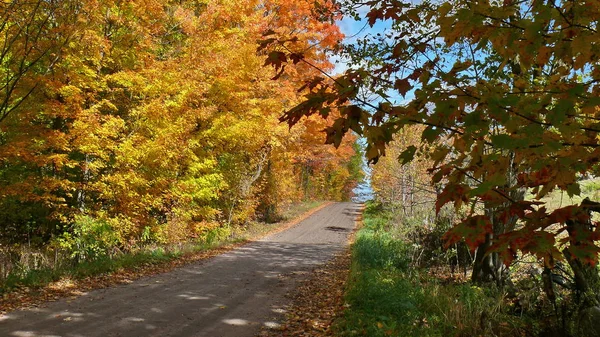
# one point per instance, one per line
(388, 296)
(27, 275)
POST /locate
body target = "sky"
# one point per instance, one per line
(354, 30)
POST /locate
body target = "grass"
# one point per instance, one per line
(589, 189)
(387, 297)
(35, 278)
(31, 278)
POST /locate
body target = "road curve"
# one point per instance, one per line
(231, 295)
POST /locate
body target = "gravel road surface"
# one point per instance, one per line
(232, 295)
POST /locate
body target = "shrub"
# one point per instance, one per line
(89, 239)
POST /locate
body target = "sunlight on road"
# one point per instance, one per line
(236, 321)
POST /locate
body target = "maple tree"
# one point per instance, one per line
(507, 93)
(33, 33)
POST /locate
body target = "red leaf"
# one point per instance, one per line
(452, 192)
(374, 15)
(277, 59)
(561, 215)
(295, 57)
(473, 230)
(403, 86)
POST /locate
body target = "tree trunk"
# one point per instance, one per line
(489, 267)
(587, 282)
(481, 265)
(412, 196)
(585, 275)
(403, 192)
(81, 195)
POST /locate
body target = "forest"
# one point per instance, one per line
(129, 123)
(140, 123)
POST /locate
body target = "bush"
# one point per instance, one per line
(89, 239)
(389, 296)
(215, 235)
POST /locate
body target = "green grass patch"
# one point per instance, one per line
(36, 278)
(589, 189)
(387, 297)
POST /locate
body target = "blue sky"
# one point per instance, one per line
(354, 30)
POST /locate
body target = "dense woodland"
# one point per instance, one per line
(124, 123)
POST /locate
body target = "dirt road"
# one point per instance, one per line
(231, 295)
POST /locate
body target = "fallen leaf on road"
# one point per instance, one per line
(317, 302)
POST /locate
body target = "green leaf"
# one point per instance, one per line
(488, 185)
(407, 155)
(430, 133)
(503, 141)
(559, 114)
(573, 190)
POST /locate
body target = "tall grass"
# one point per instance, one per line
(29, 277)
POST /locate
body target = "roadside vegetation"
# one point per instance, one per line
(404, 282)
(393, 293)
(26, 279)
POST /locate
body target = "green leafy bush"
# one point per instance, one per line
(89, 239)
(389, 295)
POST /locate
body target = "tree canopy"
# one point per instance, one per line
(155, 121)
(507, 95)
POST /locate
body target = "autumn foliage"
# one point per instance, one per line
(155, 121)
(506, 93)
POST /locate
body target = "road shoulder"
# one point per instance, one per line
(317, 302)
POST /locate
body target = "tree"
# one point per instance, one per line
(154, 120)
(33, 36)
(403, 184)
(511, 87)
